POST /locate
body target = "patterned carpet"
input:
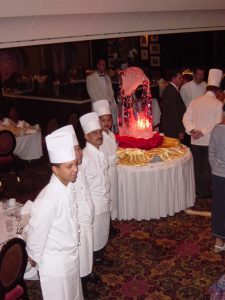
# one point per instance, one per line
(166, 259)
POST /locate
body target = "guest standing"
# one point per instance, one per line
(109, 148)
(217, 162)
(95, 167)
(195, 88)
(53, 234)
(99, 87)
(202, 115)
(173, 107)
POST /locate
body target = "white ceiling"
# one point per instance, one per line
(30, 22)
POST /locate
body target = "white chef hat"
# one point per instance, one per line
(101, 107)
(90, 122)
(69, 129)
(215, 76)
(60, 147)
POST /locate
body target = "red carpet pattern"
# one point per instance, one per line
(166, 259)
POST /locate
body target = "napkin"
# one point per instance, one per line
(31, 130)
(26, 208)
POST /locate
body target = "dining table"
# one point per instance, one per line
(18, 229)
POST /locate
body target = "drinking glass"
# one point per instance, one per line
(9, 227)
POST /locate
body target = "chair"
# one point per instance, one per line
(7, 159)
(14, 114)
(13, 262)
(73, 120)
(52, 125)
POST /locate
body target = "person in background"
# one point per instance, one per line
(186, 78)
(109, 148)
(95, 168)
(85, 218)
(195, 88)
(99, 86)
(217, 162)
(202, 115)
(173, 107)
(53, 233)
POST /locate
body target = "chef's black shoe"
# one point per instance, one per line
(104, 262)
(90, 294)
(93, 277)
(113, 232)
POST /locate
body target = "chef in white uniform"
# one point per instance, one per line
(95, 168)
(85, 219)
(53, 234)
(109, 148)
(202, 115)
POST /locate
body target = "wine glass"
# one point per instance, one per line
(9, 227)
(18, 217)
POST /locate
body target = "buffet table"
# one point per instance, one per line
(157, 189)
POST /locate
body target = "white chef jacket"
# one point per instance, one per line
(192, 90)
(52, 241)
(95, 167)
(203, 113)
(109, 147)
(85, 218)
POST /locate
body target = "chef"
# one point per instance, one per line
(53, 234)
(85, 219)
(95, 168)
(109, 148)
(202, 115)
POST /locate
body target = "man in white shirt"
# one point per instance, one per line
(99, 86)
(53, 234)
(95, 168)
(202, 115)
(194, 88)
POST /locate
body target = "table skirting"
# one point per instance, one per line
(156, 190)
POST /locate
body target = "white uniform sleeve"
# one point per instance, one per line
(215, 119)
(41, 220)
(188, 120)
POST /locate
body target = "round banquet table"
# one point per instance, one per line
(156, 190)
(29, 146)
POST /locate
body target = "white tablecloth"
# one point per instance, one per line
(156, 190)
(31, 273)
(29, 146)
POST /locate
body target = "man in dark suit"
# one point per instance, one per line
(173, 107)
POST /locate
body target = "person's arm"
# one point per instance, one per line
(184, 95)
(91, 88)
(212, 149)
(188, 120)
(39, 226)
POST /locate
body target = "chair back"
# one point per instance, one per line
(14, 114)
(73, 120)
(13, 262)
(7, 143)
(52, 125)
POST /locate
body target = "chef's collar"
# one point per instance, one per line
(93, 148)
(58, 184)
(209, 93)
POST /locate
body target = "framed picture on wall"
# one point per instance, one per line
(144, 54)
(154, 38)
(155, 61)
(154, 48)
(144, 41)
